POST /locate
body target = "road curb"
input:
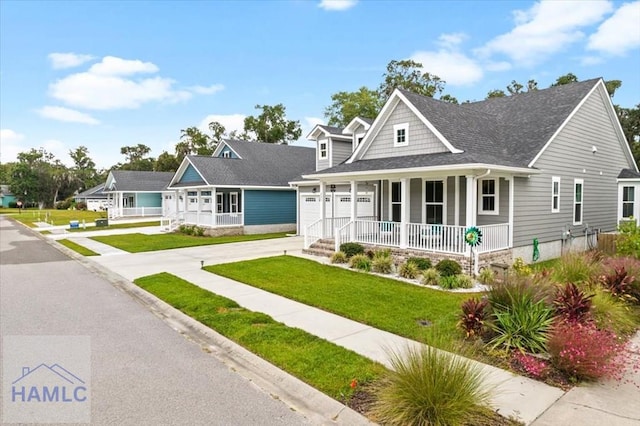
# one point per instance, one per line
(317, 407)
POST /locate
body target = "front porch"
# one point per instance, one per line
(133, 204)
(209, 208)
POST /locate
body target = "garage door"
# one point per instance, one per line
(310, 207)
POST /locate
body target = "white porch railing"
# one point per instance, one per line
(313, 233)
(494, 237)
(229, 219)
(205, 218)
(377, 233)
(440, 238)
(138, 211)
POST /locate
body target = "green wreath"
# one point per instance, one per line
(473, 236)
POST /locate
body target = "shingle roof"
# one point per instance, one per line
(96, 191)
(137, 181)
(331, 129)
(262, 164)
(508, 131)
(628, 174)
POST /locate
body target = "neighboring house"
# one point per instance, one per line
(95, 198)
(242, 188)
(135, 193)
(629, 195)
(6, 197)
(537, 171)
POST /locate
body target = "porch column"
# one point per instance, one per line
(471, 201)
(511, 204)
(120, 204)
(199, 208)
(214, 207)
(323, 207)
(176, 196)
(354, 208)
(405, 210)
(456, 201)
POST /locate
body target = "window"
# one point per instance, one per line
(434, 201)
(396, 201)
(488, 196)
(323, 149)
(555, 194)
(345, 199)
(577, 201)
(310, 199)
(364, 199)
(192, 194)
(628, 198)
(205, 193)
(233, 202)
(226, 154)
(219, 203)
(401, 134)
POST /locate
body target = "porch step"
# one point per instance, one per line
(324, 247)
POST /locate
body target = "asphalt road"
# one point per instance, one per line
(142, 371)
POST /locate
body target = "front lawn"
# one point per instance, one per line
(78, 248)
(137, 243)
(117, 226)
(58, 217)
(322, 364)
(380, 302)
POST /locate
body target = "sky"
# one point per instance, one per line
(107, 74)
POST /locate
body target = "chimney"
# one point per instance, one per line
(25, 371)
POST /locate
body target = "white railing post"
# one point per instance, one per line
(337, 240)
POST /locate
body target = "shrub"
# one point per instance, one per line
(370, 254)
(13, 204)
(584, 352)
(382, 264)
(431, 277)
(474, 314)
(198, 231)
(632, 266)
(609, 312)
(533, 366)
(421, 262)
(487, 276)
(361, 262)
(521, 268)
(618, 281)
(408, 270)
(448, 283)
(578, 268)
(427, 386)
(572, 304)
(338, 257)
(81, 205)
(504, 293)
(351, 249)
(448, 268)
(64, 204)
(186, 229)
(464, 281)
(523, 325)
(628, 241)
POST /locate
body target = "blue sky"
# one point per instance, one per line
(108, 74)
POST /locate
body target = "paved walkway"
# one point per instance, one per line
(515, 395)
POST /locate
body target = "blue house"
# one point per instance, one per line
(6, 197)
(242, 188)
(135, 193)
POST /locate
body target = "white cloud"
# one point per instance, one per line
(451, 40)
(455, 68)
(545, 29)
(620, 33)
(337, 4)
(10, 145)
(68, 60)
(66, 114)
(8, 136)
(207, 90)
(111, 66)
(230, 122)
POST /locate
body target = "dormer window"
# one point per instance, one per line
(401, 134)
(226, 154)
(323, 150)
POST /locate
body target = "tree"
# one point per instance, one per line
(345, 106)
(565, 79)
(166, 163)
(136, 158)
(612, 86)
(408, 75)
(497, 93)
(630, 122)
(272, 126)
(450, 99)
(194, 142)
(6, 170)
(39, 177)
(83, 172)
(514, 88)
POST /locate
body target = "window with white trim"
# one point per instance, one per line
(628, 199)
(401, 134)
(578, 203)
(434, 201)
(555, 194)
(226, 154)
(488, 196)
(323, 150)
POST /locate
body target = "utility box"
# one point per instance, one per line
(74, 224)
(102, 222)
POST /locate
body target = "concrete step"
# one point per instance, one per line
(318, 252)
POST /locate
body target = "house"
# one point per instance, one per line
(242, 188)
(135, 193)
(6, 196)
(95, 198)
(629, 195)
(536, 173)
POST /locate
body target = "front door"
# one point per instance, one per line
(396, 201)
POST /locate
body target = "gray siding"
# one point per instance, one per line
(570, 156)
(503, 206)
(421, 139)
(340, 151)
(463, 200)
(322, 164)
(416, 200)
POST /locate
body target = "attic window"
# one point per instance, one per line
(323, 150)
(401, 134)
(226, 154)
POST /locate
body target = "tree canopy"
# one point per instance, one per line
(271, 126)
(345, 106)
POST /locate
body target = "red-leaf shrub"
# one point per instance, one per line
(572, 304)
(584, 352)
(474, 313)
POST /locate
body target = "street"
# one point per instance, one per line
(142, 371)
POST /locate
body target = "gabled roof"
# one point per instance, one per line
(262, 164)
(96, 192)
(137, 181)
(628, 174)
(353, 124)
(322, 129)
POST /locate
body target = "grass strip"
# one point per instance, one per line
(58, 217)
(381, 302)
(136, 243)
(117, 226)
(322, 364)
(77, 248)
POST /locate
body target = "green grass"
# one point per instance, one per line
(322, 364)
(59, 217)
(136, 243)
(380, 302)
(117, 226)
(78, 248)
